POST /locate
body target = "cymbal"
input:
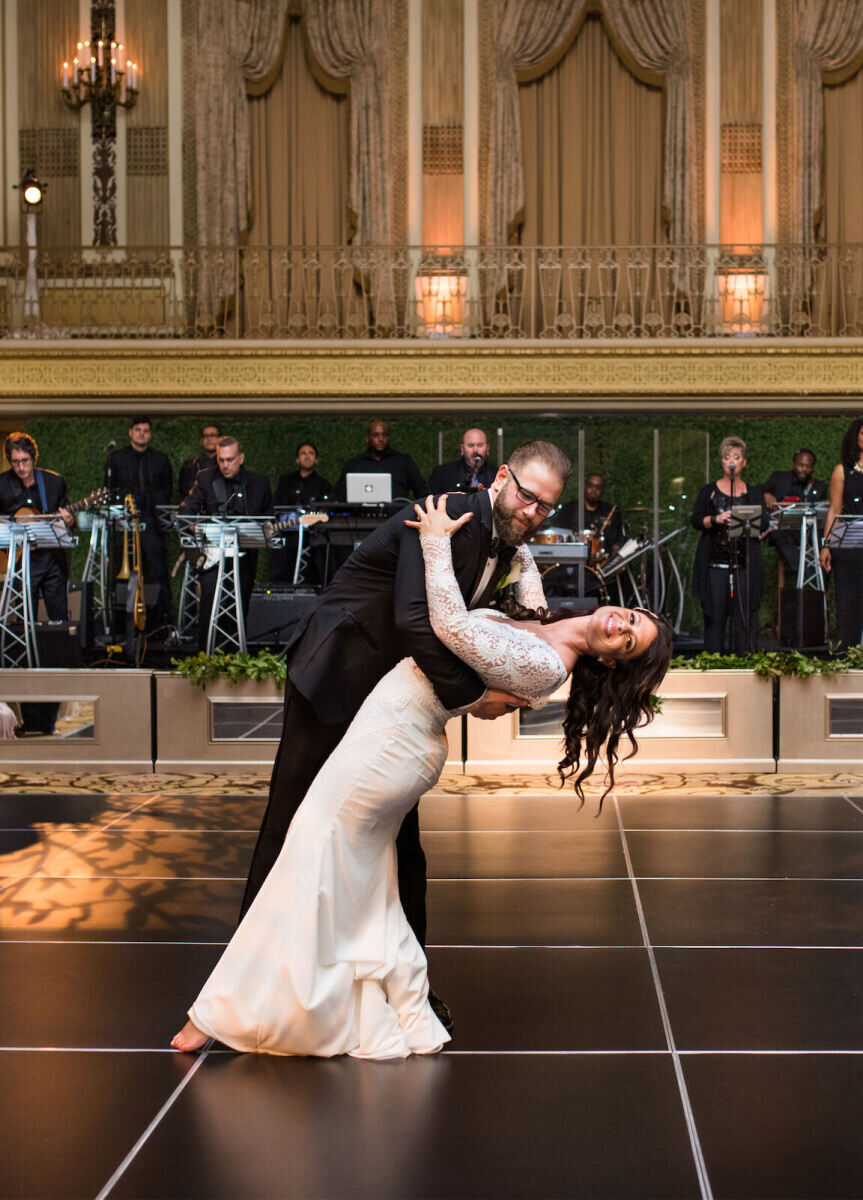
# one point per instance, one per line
(638, 508)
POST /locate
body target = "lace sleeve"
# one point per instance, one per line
(528, 588)
(503, 655)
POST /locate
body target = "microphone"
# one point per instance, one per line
(732, 467)
(477, 461)
(112, 445)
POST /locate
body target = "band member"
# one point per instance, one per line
(227, 490)
(728, 577)
(300, 488)
(797, 484)
(206, 457)
(380, 459)
(469, 472)
(35, 489)
(602, 519)
(845, 562)
(139, 471)
(38, 490)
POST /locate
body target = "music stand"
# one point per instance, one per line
(805, 516)
(19, 649)
(222, 541)
(745, 522)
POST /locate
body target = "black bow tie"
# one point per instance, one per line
(499, 549)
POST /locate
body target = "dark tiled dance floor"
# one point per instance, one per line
(664, 1001)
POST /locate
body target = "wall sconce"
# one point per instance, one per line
(440, 303)
(32, 191)
(743, 293)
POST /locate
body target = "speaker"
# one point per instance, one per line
(274, 609)
(813, 632)
(59, 644)
(80, 603)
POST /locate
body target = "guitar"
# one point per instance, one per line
(26, 513)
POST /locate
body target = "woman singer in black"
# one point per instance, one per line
(728, 577)
(845, 561)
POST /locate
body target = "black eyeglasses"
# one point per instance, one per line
(527, 497)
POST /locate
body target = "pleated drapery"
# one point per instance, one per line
(532, 35)
(240, 44)
(592, 151)
(828, 37)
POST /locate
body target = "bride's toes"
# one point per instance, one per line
(189, 1038)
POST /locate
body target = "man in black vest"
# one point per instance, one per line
(228, 490)
(206, 457)
(375, 613)
(145, 474)
(468, 473)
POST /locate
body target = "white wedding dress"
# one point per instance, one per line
(324, 961)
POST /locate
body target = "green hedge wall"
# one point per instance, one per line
(621, 447)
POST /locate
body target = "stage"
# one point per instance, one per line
(659, 1001)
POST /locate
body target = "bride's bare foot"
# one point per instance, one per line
(189, 1038)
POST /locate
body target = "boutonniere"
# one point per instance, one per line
(511, 577)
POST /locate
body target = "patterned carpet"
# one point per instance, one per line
(681, 783)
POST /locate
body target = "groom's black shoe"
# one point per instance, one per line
(441, 1011)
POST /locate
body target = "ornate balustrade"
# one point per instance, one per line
(557, 293)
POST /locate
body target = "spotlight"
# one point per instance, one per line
(32, 192)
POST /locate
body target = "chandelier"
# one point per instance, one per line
(97, 77)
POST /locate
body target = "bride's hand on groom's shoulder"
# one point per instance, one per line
(434, 518)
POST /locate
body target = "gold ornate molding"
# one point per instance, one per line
(42, 377)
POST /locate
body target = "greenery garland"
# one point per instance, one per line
(773, 664)
(201, 668)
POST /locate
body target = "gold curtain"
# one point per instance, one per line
(593, 139)
(299, 158)
(592, 150)
(299, 136)
(842, 211)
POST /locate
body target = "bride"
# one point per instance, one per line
(324, 961)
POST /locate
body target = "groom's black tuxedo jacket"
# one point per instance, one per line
(375, 613)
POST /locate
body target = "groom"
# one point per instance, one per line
(374, 614)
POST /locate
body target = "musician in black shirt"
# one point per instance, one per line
(228, 489)
(26, 486)
(206, 457)
(139, 471)
(468, 473)
(380, 459)
(298, 489)
(797, 484)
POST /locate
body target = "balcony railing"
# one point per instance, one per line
(558, 293)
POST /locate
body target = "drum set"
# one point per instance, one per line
(571, 559)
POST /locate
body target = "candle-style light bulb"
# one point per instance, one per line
(65, 77)
(113, 71)
(75, 70)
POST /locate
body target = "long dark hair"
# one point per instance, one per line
(850, 452)
(605, 705)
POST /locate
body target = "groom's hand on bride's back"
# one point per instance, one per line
(495, 704)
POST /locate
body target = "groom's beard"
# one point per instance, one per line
(512, 525)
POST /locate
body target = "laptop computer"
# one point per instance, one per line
(369, 489)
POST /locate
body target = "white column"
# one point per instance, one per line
(471, 122)
(712, 152)
(175, 122)
(121, 174)
(86, 142)
(12, 171)
(768, 151)
(415, 122)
